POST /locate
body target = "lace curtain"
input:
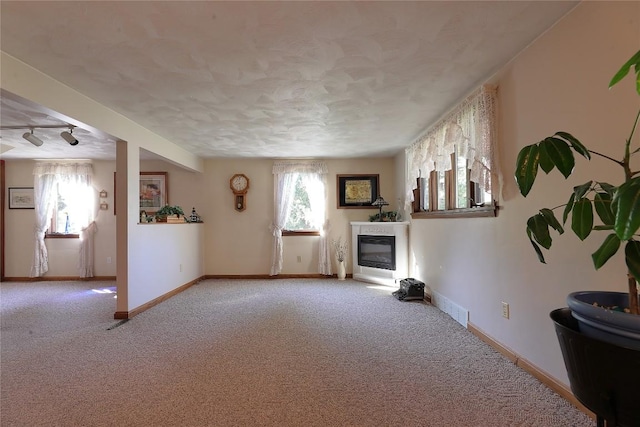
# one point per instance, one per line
(471, 126)
(46, 176)
(314, 177)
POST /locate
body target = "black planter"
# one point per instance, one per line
(604, 377)
(608, 325)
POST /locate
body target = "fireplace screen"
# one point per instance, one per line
(377, 251)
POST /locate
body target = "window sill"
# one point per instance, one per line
(300, 233)
(488, 211)
(61, 236)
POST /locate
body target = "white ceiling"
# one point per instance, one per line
(264, 79)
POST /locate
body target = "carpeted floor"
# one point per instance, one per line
(256, 353)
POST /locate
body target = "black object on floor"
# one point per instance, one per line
(410, 289)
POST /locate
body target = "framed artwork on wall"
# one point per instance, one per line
(357, 191)
(21, 198)
(154, 191)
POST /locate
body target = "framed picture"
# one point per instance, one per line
(357, 191)
(154, 191)
(21, 198)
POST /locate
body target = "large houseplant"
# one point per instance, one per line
(617, 205)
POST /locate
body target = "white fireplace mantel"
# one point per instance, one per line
(378, 275)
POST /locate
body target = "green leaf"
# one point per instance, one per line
(551, 220)
(602, 203)
(581, 190)
(626, 205)
(607, 187)
(608, 249)
(577, 145)
(568, 208)
(527, 168)
(539, 227)
(624, 70)
(560, 154)
(632, 258)
(536, 248)
(582, 218)
(546, 164)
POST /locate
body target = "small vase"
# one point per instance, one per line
(341, 271)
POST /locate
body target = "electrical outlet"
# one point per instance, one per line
(299, 258)
(181, 268)
(505, 310)
(108, 260)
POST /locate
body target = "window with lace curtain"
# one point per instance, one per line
(300, 208)
(301, 217)
(69, 209)
(452, 168)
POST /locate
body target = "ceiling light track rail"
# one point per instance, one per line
(29, 136)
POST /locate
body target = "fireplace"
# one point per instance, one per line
(377, 251)
(380, 251)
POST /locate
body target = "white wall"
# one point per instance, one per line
(240, 243)
(558, 83)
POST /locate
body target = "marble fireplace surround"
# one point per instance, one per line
(378, 275)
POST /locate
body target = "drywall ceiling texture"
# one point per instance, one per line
(275, 79)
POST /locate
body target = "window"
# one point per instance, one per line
(69, 206)
(458, 155)
(300, 208)
(64, 204)
(301, 218)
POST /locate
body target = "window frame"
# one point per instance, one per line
(301, 232)
(48, 234)
(450, 185)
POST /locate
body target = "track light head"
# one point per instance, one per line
(29, 136)
(67, 136)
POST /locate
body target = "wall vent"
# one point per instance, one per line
(459, 314)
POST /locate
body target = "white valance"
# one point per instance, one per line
(63, 168)
(471, 127)
(301, 166)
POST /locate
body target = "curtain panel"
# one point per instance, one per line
(285, 175)
(470, 126)
(46, 176)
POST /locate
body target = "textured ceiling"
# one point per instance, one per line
(267, 79)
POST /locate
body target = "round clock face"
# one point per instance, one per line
(239, 183)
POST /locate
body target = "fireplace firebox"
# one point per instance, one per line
(377, 251)
(380, 251)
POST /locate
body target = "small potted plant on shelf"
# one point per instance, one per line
(169, 213)
(618, 208)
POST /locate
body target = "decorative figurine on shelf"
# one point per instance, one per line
(143, 217)
(194, 217)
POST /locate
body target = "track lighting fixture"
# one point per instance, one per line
(29, 136)
(68, 136)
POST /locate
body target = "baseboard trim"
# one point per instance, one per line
(58, 279)
(266, 276)
(155, 301)
(532, 369)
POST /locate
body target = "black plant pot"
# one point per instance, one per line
(604, 377)
(608, 325)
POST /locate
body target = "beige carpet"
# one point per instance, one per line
(256, 353)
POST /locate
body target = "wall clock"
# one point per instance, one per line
(239, 184)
